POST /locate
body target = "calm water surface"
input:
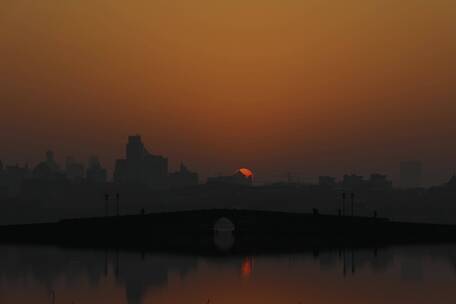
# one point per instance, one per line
(409, 274)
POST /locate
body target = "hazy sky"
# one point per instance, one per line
(309, 87)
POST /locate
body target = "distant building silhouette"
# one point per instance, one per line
(379, 182)
(11, 178)
(410, 174)
(140, 166)
(451, 183)
(3, 188)
(183, 177)
(327, 181)
(50, 161)
(95, 172)
(241, 177)
(48, 169)
(353, 182)
(376, 182)
(74, 170)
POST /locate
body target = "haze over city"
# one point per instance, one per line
(227, 151)
(311, 87)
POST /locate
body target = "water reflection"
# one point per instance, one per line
(247, 267)
(412, 274)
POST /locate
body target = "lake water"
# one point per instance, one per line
(405, 274)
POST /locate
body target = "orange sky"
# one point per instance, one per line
(303, 86)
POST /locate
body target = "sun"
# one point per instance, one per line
(246, 172)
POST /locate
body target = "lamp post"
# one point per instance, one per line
(117, 203)
(343, 203)
(106, 205)
(352, 204)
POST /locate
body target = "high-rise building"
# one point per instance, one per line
(411, 174)
(327, 181)
(135, 150)
(12, 178)
(183, 177)
(379, 182)
(95, 172)
(47, 169)
(140, 166)
(50, 161)
(353, 182)
(74, 170)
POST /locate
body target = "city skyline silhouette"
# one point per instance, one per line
(142, 182)
(416, 168)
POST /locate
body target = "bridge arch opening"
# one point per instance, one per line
(223, 225)
(224, 234)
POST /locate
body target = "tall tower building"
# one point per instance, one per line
(135, 149)
(140, 166)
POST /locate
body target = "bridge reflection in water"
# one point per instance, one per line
(406, 274)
